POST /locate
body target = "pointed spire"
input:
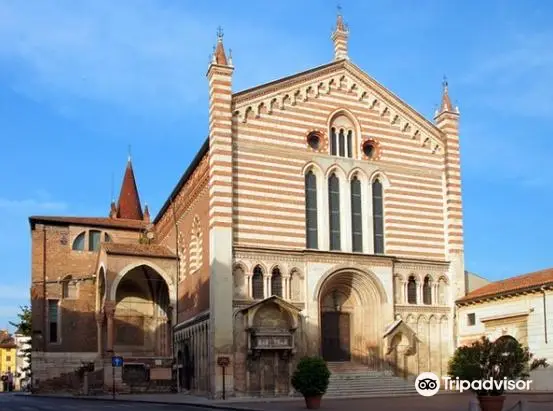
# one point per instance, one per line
(113, 210)
(219, 56)
(129, 202)
(146, 213)
(340, 37)
(446, 105)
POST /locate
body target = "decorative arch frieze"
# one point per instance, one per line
(301, 93)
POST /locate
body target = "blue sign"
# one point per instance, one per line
(116, 361)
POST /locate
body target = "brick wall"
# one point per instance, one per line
(52, 260)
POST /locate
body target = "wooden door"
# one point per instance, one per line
(335, 336)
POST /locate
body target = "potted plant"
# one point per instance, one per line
(504, 359)
(311, 380)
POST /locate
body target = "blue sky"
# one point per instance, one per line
(80, 81)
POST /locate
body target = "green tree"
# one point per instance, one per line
(24, 327)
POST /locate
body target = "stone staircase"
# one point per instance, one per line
(348, 379)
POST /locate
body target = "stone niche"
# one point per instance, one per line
(270, 327)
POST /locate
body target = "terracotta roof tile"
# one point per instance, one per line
(129, 202)
(511, 285)
(150, 250)
(89, 221)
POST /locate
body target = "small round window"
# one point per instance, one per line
(314, 141)
(368, 148)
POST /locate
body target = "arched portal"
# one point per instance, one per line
(142, 313)
(350, 317)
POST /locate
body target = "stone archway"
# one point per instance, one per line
(142, 313)
(351, 321)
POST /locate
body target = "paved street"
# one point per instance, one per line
(10, 402)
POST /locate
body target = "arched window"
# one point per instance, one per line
(341, 137)
(68, 288)
(311, 210)
(356, 220)
(334, 211)
(427, 291)
(78, 243)
(107, 238)
(378, 217)
(94, 237)
(276, 282)
(412, 290)
(258, 289)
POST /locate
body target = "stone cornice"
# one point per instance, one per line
(503, 296)
(333, 257)
(416, 310)
(185, 198)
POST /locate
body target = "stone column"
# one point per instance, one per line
(267, 288)
(109, 308)
(169, 337)
(286, 287)
(249, 285)
(419, 291)
(99, 332)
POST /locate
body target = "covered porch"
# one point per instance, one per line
(135, 310)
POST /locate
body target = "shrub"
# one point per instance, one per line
(311, 376)
(482, 360)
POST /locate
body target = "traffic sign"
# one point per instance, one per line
(116, 361)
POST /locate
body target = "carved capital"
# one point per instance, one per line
(109, 309)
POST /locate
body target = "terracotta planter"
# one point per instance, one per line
(314, 402)
(491, 403)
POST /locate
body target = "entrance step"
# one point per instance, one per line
(349, 379)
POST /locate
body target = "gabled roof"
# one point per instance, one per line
(100, 222)
(277, 300)
(137, 249)
(525, 282)
(128, 206)
(289, 81)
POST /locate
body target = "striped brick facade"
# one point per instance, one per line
(219, 77)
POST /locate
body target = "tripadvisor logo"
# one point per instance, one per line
(428, 384)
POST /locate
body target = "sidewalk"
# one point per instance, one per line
(449, 402)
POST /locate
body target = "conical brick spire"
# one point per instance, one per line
(128, 205)
(219, 56)
(446, 101)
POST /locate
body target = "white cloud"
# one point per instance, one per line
(141, 55)
(513, 74)
(31, 205)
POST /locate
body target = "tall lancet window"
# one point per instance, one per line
(258, 288)
(311, 210)
(276, 282)
(356, 220)
(427, 290)
(378, 217)
(333, 141)
(412, 290)
(342, 137)
(334, 211)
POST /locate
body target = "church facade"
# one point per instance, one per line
(322, 216)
